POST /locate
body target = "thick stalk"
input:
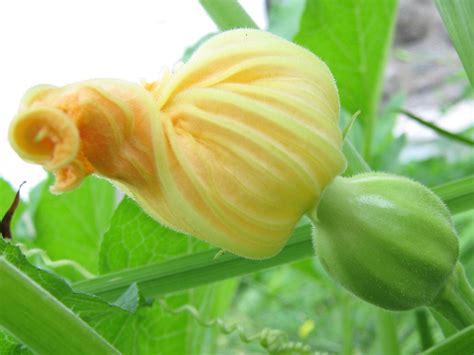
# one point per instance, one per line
(424, 330)
(227, 14)
(33, 316)
(456, 300)
(387, 333)
(347, 326)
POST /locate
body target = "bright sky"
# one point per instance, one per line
(58, 42)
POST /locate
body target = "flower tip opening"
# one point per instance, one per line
(68, 178)
(49, 137)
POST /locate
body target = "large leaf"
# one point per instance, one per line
(457, 17)
(459, 343)
(353, 38)
(134, 239)
(70, 226)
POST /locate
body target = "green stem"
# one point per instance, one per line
(347, 329)
(456, 137)
(194, 270)
(457, 194)
(424, 330)
(447, 328)
(37, 319)
(456, 300)
(387, 333)
(227, 14)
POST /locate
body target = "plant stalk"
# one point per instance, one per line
(194, 270)
(424, 330)
(227, 14)
(456, 299)
(387, 331)
(34, 317)
(347, 326)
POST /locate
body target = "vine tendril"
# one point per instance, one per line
(273, 340)
(56, 263)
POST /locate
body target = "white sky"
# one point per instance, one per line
(58, 42)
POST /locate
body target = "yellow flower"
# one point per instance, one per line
(232, 148)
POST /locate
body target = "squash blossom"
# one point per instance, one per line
(232, 148)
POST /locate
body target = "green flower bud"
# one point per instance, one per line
(387, 239)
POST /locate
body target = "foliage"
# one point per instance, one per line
(457, 16)
(357, 57)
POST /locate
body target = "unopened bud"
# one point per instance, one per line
(387, 239)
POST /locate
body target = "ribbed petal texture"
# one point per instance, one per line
(233, 147)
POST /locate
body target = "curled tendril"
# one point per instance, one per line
(54, 264)
(273, 340)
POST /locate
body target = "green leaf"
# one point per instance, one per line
(442, 132)
(33, 316)
(437, 170)
(130, 300)
(70, 226)
(284, 17)
(8, 346)
(459, 343)
(353, 38)
(134, 239)
(458, 194)
(388, 160)
(457, 16)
